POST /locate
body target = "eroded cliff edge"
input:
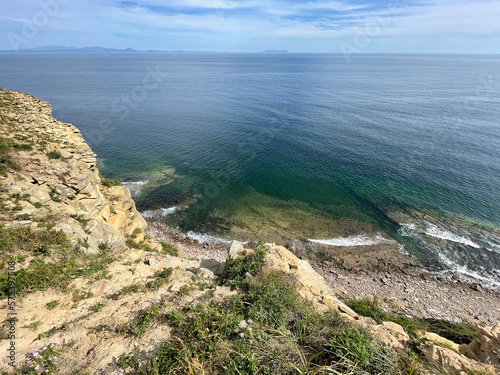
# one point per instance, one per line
(93, 295)
(57, 169)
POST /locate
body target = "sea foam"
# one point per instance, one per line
(434, 231)
(359, 240)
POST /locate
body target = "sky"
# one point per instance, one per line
(341, 26)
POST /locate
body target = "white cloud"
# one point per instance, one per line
(220, 23)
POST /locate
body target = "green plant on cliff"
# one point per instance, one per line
(460, 333)
(239, 267)
(66, 261)
(54, 155)
(169, 249)
(109, 183)
(267, 329)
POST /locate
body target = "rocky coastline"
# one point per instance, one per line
(98, 290)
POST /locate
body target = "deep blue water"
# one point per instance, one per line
(351, 139)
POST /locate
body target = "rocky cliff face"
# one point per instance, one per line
(57, 169)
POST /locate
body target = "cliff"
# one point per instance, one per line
(57, 169)
(84, 291)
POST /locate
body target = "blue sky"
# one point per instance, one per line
(444, 26)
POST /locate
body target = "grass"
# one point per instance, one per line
(98, 307)
(33, 326)
(133, 288)
(41, 274)
(460, 333)
(160, 279)
(140, 325)
(54, 195)
(128, 360)
(52, 332)
(26, 240)
(109, 183)
(52, 304)
(239, 267)
(54, 155)
(42, 361)
(81, 219)
(6, 165)
(169, 249)
(267, 329)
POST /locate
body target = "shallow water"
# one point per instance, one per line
(308, 146)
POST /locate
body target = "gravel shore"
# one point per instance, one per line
(415, 292)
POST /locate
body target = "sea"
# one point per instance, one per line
(378, 148)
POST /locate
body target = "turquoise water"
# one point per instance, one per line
(359, 140)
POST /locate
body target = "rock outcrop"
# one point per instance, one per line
(59, 173)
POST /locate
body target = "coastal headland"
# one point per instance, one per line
(88, 286)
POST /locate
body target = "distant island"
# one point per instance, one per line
(276, 51)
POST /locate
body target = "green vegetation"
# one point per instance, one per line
(37, 205)
(128, 360)
(66, 262)
(24, 239)
(41, 361)
(52, 304)
(132, 288)
(54, 155)
(109, 183)
(81, 219)
(51, 332)
(169, 249)
(139, 326)
(98, 307)
(6, 164)
(460, 333)
(239, 267)
(22, 147)
(160, 279)
(33, 326)
(267, 329)
(54, 195)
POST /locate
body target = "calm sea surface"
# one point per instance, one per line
(369, 139)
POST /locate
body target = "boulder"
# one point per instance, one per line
(453, 362)
(311, 285)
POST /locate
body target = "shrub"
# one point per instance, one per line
(133, 288)
(169, 249)
(6, 164)
(54, 155)
(161, 278)
(270, 299)
(52, 304)
(109, 183)
(22, 147)
(239, 267)
(128, 360)
(38, 205)
(104, 246)
(43, 361)
(33, 326)
(139, 326)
